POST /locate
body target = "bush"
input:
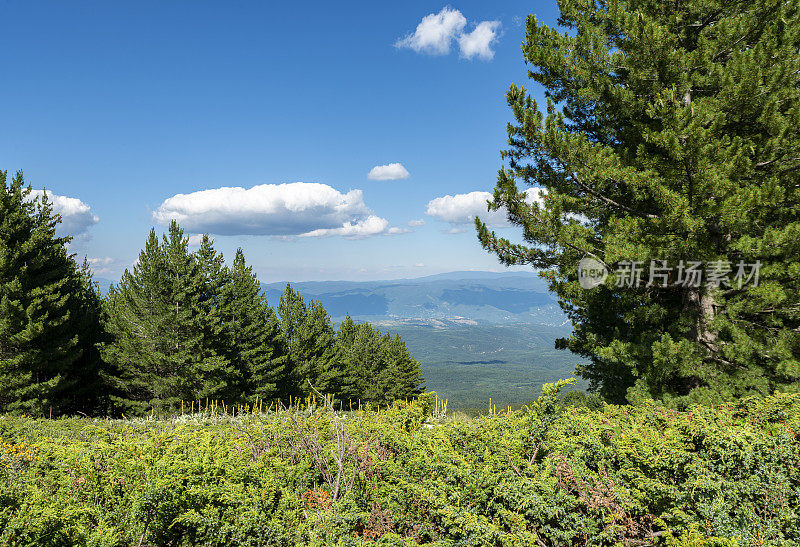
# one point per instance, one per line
(548, 474)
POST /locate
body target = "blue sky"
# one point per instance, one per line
(119, 107)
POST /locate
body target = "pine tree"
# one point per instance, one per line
(156, 321)
(291, 313)
(405, 378)
(48, 313)
(222, 378)
(319, 356)
(372, 364)
(311, 344)
(375, 367)
(351, 384)
(252, 336)
(671, 132)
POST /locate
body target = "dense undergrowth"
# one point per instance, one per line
(545, 475)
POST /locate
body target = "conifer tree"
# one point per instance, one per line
(375, 367)
(370, 361)
(48, 311)
(222, 379)
(292, 313)
(156, 321)
(318, 358)
(405, 379)
(351, 383)
(311, 345)
(252, 335)
(671, 132)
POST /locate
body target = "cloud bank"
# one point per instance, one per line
(460, 210)
(437, 31)
(76, 216)
(291, 209)
(391, 171)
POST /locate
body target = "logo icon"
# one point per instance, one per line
(591, 273)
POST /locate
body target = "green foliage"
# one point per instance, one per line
(183, 326)
(377, 367)
(163, 346)
(671, 132)
(49, 311)
(547, 474)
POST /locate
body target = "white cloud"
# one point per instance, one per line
(419, 265)
(478, 42)
(416, 222)
(100, 265)
(391, 171)
(195, 240)
(291, 209)
(435, 32)
(76, 216)
(103, 261)
(463, 208)
(369, 226)
(460, 210)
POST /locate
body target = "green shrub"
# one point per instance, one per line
(552, 473)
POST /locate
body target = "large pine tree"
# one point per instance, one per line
(314, 355)
(252, 335)
(49, 311)
(375, 367)
(222, 378)
(671, 132)
(157, 318)
(405, 379)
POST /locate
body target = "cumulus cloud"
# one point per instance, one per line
(390, 171)
(370, 226)
(100, 265)
(100, 261)
(416, 222)
(478, 42)
(290, 209)
(76, 216)
(287, 210)
(436, 32)
(195, 240)
(460, 210)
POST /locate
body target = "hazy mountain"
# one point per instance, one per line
(460, 297)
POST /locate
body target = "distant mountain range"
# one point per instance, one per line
(442, 300)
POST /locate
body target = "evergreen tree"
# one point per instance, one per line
(311, 345)
(672, 132)
(405, 378)
(222, 378)
(351, 384)
(48, 311)
(375, 367)
(370, 362)
(291, 313)
(252, 336)
(318, 359)
(156, 321)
